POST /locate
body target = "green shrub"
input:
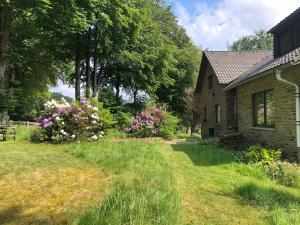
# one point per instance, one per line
(210, 141)
(257, 153)
(36, 136)
(121, 120)
(283, 172)
(168, 126)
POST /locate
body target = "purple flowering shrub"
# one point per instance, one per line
(154, 122)
(65, 122)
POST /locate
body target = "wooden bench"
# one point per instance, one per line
(7, 130)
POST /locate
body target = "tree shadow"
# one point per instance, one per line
(267, 197)
(205, 155)
(15, 215)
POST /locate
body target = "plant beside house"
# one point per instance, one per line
(63, 122)
(154, 122)
(270, 163)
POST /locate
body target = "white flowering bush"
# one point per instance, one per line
(63, 122)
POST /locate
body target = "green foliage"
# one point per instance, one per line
(58, 96)
(259, 154)
(36, 136)
(168, 127)
(283, 172)
(260, 40)
(121, 120)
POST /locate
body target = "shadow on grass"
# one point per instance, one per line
(205, 155)
(15, 215)
(267, 197)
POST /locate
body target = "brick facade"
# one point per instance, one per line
(209, 98)
(284, 133)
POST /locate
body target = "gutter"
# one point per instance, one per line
(297, 98)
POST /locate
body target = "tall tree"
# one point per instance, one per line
(260, 40)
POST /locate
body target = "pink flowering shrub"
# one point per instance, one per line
(283, 172)
(65, 122)
(154, 122)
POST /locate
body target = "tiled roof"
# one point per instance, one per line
(230, 65)
(266, 65)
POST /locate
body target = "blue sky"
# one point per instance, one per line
(214, 24)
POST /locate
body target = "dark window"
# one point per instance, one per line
(205, 114)
(218, 113)
(287, 42)
(210, 82)
(211, 132)
(264, 109)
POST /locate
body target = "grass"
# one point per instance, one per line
(137, 183)
(42, 184)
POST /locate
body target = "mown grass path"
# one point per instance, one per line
(216, 190)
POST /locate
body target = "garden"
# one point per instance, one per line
(119, 177)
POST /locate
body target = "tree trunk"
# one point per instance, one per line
(6, 27)
(95, 82)
(88, 65)
(135, 92)
(77, 75)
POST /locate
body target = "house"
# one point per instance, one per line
(254, 93)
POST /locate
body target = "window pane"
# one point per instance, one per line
(270, 108)
(259, 109)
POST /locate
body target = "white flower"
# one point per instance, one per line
(100, 136)
(95, 108)
(94, 122)
(63, 123)
(62, 131)
(95, 137)
(95, 116)
(57, 119)
(90, 107)
(73, 136)
(101, 132)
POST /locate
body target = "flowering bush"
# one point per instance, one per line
(154, 122)
(283, 172)
(65, 122)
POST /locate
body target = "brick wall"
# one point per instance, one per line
(284, 133)
(209, 99)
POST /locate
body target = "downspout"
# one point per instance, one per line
(297, 96)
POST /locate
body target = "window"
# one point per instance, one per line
(218, 113)
(210, 82)
(205, 114)
(264, 108)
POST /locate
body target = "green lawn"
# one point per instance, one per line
(136, 183)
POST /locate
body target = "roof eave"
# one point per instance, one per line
(284, 66)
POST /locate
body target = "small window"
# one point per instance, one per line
(264, 109)
(218, 113)
(210, 82)
(205, 114)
